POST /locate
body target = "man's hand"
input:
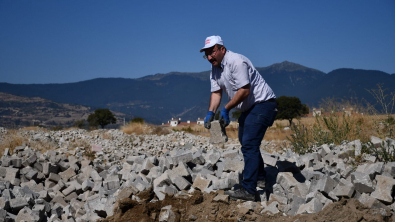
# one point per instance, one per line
(209, 118)
(224, 117)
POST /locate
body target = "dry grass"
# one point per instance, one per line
(42, 146)
(277, 134)
(70, 128)
(232, 132)
(142, 128)
(34, 128)
(11, 140)
(86, 147)
(106, 136)
(80, 143)
(159, 130)
(135, 128)
(364, 125)
(273, 133)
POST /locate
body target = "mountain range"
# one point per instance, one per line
(158, 98)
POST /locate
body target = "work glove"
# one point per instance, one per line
(209, 118)
(224, 117)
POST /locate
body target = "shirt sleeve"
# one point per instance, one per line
(214, 84)
(240, 74)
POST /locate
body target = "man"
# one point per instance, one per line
(249, 93)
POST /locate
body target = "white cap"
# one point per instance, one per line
(211, 41)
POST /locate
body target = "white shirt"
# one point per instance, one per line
(237, 71)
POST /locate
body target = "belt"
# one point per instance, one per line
(269, 100)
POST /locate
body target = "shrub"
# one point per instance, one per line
(159, 130)
(325, 130)
(301, 139)
(338, 128)
(137, 120)
(135, 128)
(384, 124)
(80, 124)
(57, 128)
(384, 153)
(188, 130)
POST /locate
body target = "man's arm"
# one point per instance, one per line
(240, 95)
(215, 100)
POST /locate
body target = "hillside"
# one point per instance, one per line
(158, 98)
(26, 111)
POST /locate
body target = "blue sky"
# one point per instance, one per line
(68, 41)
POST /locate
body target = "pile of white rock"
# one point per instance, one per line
(63, 185)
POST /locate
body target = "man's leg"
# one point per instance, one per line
(256, 122)
(261, 169)
(252, 136)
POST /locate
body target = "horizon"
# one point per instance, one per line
(61, 42)
(114, 77)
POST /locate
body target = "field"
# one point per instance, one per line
(281, 129)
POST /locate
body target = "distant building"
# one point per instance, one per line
(348, 111)
(317, 112)
(177, 122)
(200, 121)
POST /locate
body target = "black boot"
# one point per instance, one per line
(241, 193)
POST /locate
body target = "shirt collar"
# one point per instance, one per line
(225, 59)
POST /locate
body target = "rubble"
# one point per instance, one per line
(63, 184)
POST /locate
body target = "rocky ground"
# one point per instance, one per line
(111, 176)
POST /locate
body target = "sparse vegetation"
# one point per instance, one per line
(385, 152)
(137, 120)
(88, 153)
(335, 128)
(384, 124)
(158, 130)
(185, 129)
(140, 128)
(57, 128)
(135, 128)
(80, 124)
(11, 140)
(106, 136)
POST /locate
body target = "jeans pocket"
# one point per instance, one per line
(274, 114)
(265, 114)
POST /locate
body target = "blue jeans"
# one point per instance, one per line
(252, 127)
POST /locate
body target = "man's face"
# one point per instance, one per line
(215, 55)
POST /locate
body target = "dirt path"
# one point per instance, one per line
(201, 207)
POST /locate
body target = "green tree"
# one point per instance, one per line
(137, 120)
(216, 117)
(101, 117)
(290, 108)
(305, 110)
(79, 124)
(236, 114)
